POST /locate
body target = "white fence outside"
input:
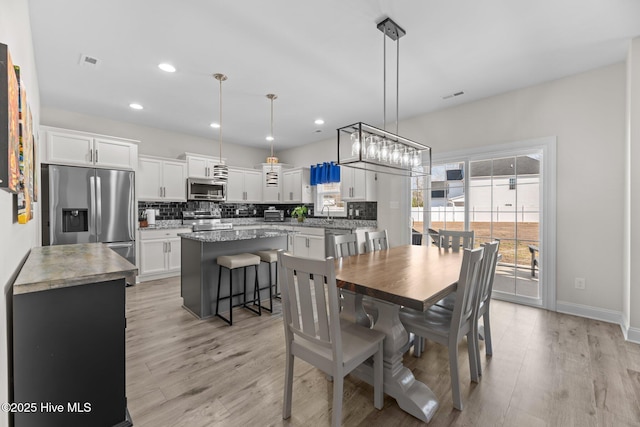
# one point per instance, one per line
(456, 214)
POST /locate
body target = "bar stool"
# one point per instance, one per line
(270, 257)
(232, 262)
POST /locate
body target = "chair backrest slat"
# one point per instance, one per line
(489, 263)
(345, 245)
(306, 303)
(377, 240)
(310, 300)
(456, 240)
(464, 308)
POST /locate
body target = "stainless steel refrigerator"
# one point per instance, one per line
(87, 205)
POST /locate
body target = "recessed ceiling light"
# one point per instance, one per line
(319, 122)
(167, 67)
(136, 106)
(214, 125)
(269, 138)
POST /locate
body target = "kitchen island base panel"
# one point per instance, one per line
(199, 272)
(412, 396)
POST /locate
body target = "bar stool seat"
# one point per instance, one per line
(270, 256)
(232, 262)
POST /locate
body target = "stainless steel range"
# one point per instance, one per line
(205, 220)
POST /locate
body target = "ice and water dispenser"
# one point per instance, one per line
(75, 220)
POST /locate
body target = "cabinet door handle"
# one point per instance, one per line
(160, 191)
(169, 246)
(90, 155)
(278, 195)
(164, 247)
(96, 156)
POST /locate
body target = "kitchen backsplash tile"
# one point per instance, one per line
(173, 210)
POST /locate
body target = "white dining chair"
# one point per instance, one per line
(345, 245)
(456, 240)
(376, 240)
(483, 301)
(315, 333)
(450, 327)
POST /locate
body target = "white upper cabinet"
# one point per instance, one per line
(69, 147)
(200, 166)
(244, 185)
(358, 184)
(161, 179)
(296, 186)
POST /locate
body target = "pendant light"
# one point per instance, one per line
(271, 175)
(271, 159)
(220, 171)
(364, 146)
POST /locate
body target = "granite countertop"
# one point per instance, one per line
(233, 235)
(51, 267)
(336, 224)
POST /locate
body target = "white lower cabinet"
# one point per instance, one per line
(309, 243)
(159, 253)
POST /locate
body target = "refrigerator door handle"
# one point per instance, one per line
(92, 202)
(98, 199)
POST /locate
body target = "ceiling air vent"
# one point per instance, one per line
(453, 95)
(89, 61)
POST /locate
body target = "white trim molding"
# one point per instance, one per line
(596, 313)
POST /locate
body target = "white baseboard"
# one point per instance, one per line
(633, 335)
(630, 334)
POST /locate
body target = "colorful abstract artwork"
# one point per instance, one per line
(25, 186)
(9, 123)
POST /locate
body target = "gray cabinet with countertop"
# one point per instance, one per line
(68, 341)
(199, 272)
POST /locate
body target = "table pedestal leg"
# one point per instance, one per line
(412, 396)
(352, 308)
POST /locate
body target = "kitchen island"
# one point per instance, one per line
(199, 270)
(68, 343)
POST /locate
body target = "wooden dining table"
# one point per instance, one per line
(411, 276)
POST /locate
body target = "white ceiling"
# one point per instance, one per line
(322, 59)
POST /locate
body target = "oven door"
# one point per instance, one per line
(206, 189)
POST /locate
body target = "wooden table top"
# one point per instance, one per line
(412, 276)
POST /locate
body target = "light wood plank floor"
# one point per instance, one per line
(548, 369)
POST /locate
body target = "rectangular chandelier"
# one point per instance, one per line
(367, 147)
(364, 146)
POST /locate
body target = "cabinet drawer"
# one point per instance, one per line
(162, 234)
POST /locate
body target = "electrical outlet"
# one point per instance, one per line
(580, 283)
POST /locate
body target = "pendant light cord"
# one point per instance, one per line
(220, 128)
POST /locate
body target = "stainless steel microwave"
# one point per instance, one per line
(206, 189)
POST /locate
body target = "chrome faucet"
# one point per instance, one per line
(328, 212)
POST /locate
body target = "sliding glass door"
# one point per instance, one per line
(504, 203)
(498, 196)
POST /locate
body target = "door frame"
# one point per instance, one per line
(548, 146)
